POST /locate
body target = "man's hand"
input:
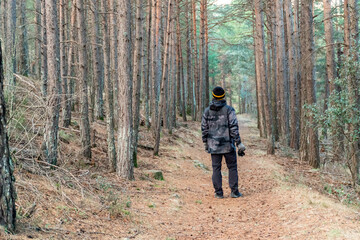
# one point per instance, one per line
(206, 146)
(241, 147)
(241, 153)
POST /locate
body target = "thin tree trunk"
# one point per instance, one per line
(262, 73)
(165, 112)
(114, 64)
(53, 97)
(282, 77)
(202, 62)
(191, 96)
(3, 22)
(38, 42)
(98, 62)
(63, 64)
(207, 87)
(197, 106)
(44, 63)
(83, 77)
(296, 140)
(23, 41)
(309, 145)
(156, 52)
(174, 80)
(138, 52)
(292, 50)
(330, 53)
(125, 163)
(180, 69)
(274, 73)
(10, 49)
(346, 28)
(108, 45)
(165, 67)
(67, 87)
(147, 79)
(7, 179)
(259, 92)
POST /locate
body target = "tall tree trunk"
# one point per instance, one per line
(10, 49)
(138, 53)
(83, 77)
(262, 76)
(7, 179)
(125, 163)
(330, 53)
(3, 20)
(174, 80)
(156, 57)
(309, 145)
(92, 46)
(53, 96)
(346, 28)
(114, 59)
(38, 42)
(44, 62)
(294, 133)
(165, 112)
(108, 45)
(63, 63)
(259, 92)
(165, 67)
(274, 72)
(202, 63)
(180, 69)
(207, 87)
(283, 75)
(191, 93)
(196, 62)
(98, 62)
(23, 41)
(69, 82)
(296, 140)
(147, 78)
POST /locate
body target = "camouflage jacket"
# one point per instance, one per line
(220, 129)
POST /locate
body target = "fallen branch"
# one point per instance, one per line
(145, 147)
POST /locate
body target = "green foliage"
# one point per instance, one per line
(118, 207)
(103, 184)
(343, 108)
(342, 116)
(159, 176)
(67, 136)
(231, 52)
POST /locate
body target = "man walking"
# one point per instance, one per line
(220, 133)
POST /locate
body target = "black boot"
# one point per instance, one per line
(236, 194)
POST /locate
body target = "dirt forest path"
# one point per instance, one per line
(183, 206)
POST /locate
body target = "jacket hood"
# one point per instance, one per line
(216, 105)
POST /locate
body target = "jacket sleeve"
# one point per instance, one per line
(234, 126)
(204, 127)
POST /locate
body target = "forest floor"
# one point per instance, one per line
(283, 198)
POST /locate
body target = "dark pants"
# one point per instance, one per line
(231, 163)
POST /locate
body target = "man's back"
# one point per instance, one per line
(220, 127)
